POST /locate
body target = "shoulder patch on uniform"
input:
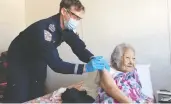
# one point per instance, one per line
(52, 27)
(47, 35)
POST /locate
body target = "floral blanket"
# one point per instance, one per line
(130, 85)
(55, 97)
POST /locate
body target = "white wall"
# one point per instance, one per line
(12, 21)
(169, 24)
(39, 9)
(142, 23)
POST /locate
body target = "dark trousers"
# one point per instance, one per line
(25, 74)
(22, 85)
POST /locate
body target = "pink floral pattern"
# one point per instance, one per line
(130, 84)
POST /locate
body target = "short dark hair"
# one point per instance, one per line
(68, 3)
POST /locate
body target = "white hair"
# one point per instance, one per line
(118, 52)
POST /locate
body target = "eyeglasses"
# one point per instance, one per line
(73, 14)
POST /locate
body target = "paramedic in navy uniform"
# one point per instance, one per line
(35, 48)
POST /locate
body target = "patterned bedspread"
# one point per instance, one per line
(54, 97)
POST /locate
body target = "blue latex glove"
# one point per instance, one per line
(107, 66)
(94, 64)
(97, 57)
(97, 63)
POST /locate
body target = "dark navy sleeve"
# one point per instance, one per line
(50, 54)
(77, 46)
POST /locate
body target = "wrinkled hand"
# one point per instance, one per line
(77, 86)
(56, 96)
(149, 102)
(97, 63)
(56, 99)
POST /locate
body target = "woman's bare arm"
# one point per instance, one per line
(110, 87)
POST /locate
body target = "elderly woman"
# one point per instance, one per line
(125, 77)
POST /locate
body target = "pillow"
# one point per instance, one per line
(145, 79)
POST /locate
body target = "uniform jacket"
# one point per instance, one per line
(36, 47)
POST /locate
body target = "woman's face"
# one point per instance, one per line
(128, 61)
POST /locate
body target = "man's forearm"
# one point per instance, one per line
(77, 46)
(110, 87)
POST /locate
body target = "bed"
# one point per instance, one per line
(89, 84)
(47, 98)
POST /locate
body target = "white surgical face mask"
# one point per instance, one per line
(71, 24)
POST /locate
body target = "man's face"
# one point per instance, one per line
(128, 60)
(72, 13)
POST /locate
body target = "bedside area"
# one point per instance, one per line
(163, 96)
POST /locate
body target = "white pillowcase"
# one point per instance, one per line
(145, 79)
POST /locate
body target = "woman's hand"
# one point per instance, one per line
(150, 101)
(57, 99)
(77, 86)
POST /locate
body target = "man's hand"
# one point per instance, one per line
(96, 63)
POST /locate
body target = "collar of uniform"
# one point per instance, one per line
(56, 19)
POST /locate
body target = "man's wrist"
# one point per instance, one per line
(91, 58)
(84, 68)
(79, 69)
